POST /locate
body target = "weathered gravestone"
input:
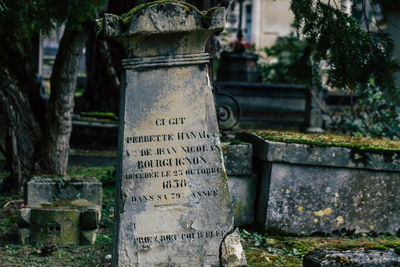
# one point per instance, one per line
(172, 206)
(63, 210)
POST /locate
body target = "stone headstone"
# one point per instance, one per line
(172, 206)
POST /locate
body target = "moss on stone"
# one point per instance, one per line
(366, 144)
(127, 17)
(237, 207)
(68, 203)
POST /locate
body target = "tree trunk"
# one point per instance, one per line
(23, 131)
(102, 82)
(57, 132)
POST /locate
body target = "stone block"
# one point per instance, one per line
(42, 189)
(324, 257)
(304, 154)
(24, 235)
(55, 224)
(307, 199)
(60, 222)
(88, 237)
(243, 194)
(238, 158)
(232, 253)
(308, 188)
(24, 217)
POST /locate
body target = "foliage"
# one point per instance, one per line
(375, 115)
(352, 55)
(355, 59)
(287, 61)
(20, 19)
(106, 174)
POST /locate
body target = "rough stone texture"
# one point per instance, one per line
(323, 257)
(56, 225)
(88, 237)
(238, 158)
(170, 158)
(232, 253)
(329, 156)
(40, 190)
(324, 199)
(24, 218)
(242, 182)
(24, 235)
(62, 222)
(243, 194)
(306, 189)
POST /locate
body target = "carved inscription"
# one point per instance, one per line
(168, 160)
(167, 238)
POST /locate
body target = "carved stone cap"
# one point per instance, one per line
(163, 28)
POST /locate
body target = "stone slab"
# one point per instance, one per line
(238, 158)
(43, 189)
(88, 237)
(56, 225)
(307, 199)
(272, 151)
(243, 194)
(24, 235)
(323, 257)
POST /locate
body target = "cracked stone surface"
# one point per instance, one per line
(173, 206)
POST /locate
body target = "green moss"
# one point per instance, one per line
(235, 142)
(99, 117)
(395, 246)
(379, 247)
(363, 144)
(127, 17)
(109, 115)
(267, 250)
(237, 207)
(105, 174)
(68, 203)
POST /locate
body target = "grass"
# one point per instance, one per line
(282, 251)
(261, 249)
(12, 253)
(370, 144)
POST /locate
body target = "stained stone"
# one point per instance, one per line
(43, 189)
(56, 225)
(327, 257)
(232, 251)
(24, 218)
(24, 234)
(88, 237)
(172, 206)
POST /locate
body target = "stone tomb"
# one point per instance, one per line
(62, 210)
(172, 205)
